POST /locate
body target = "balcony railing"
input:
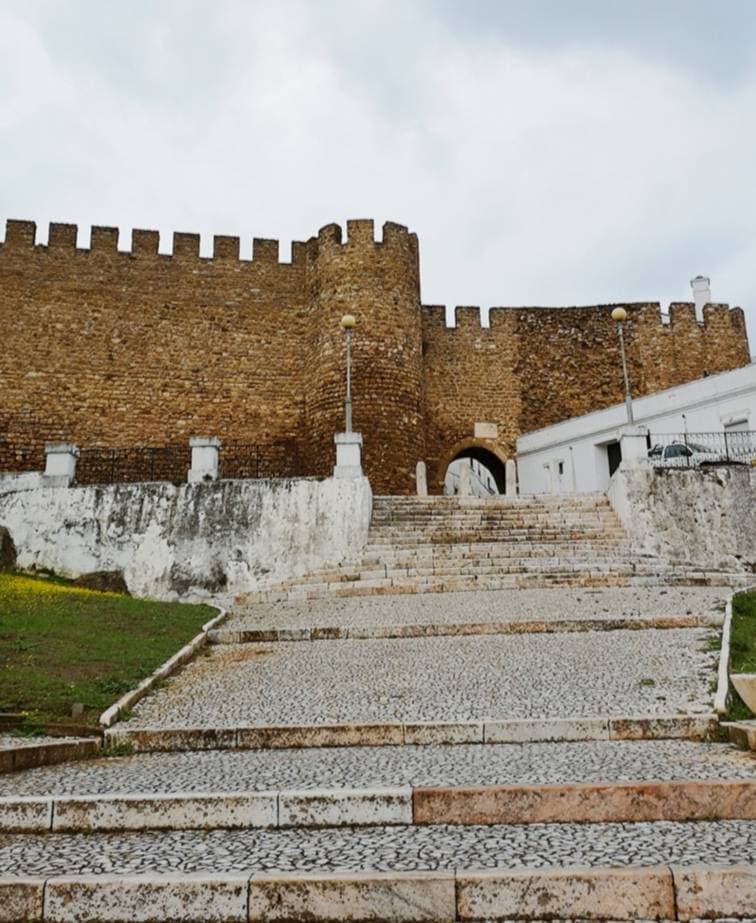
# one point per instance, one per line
(692, 450)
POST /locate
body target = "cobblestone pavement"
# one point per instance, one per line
(381, 848)
(439, 679)
(360, 767)
(509, 605)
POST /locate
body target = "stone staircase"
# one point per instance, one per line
(450, 544)
(422, 737)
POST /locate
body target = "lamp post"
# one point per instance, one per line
(347, 324)
(619, 315)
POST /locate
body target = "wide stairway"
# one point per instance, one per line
(450, 544)
(543, 752)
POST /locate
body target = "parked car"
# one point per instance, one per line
(682, 455)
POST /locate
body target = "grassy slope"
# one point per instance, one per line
(742, 647)
(60, 644)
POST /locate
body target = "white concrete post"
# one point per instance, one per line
(633, 446)
(465, 483)
(348, 455)
(60, 461)
(204, 459)
(510, 478)
(421, 479)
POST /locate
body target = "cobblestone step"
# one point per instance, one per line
(256, 770)
(409, 873)
(466, 678)
(598, 781)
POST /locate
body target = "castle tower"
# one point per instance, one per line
(379, 284)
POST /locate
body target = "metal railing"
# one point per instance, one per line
(102, 465)
(691, 450)
(258, 460)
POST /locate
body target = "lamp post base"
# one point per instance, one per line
(348, 455)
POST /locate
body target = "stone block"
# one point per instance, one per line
(321, 735)
(662, 727)
(340, 807)
(586, 802)
(742, 734)
(21, 899)
(402, 897)
(25, 815)
(48, 754)
(171, 739)
(169, 812)
(429, 732)
(147, 898)
(708, 892)
(555, 729)
(566, 893)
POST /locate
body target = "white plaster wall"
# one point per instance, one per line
(706, 516)
(709, 404)
(214, 539)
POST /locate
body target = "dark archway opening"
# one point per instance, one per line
(488, 474)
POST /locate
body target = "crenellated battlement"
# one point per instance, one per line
(360, 234)
(21, 236)
(680, 314)
(63, 239)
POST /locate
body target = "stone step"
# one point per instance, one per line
(143, 738)
(411, 873)
(639, 801)
(523, 574)
(246, 635)
(742, 734)
(571, 579)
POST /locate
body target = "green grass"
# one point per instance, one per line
(742, 649)
(743, 634)
(60, 644)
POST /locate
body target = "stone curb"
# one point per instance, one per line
(643, 727)
(208, 811)
(723, 674)
(29, 756)
(741, 733)
(653, 892)
(433, 630)
(587, 802)
(579, 802)
(130, 699)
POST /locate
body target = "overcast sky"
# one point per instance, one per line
(547, 152)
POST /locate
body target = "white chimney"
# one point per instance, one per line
(701, 286)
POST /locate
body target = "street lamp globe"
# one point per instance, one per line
(348, 321)
(619, 315)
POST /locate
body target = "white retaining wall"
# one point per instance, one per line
(703, 515)
(214, 539)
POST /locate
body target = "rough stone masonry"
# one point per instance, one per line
(133, 347)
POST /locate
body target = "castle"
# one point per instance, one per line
(112, 347)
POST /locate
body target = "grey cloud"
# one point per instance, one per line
(545, 152)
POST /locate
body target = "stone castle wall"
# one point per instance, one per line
(113, 347)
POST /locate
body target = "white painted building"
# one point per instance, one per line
(578, 454)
